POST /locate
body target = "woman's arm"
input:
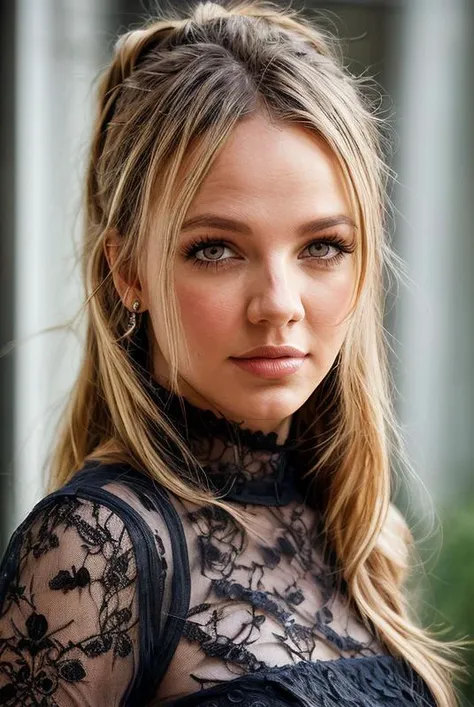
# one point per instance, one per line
(69, 633)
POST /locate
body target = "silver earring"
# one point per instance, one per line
(132, 318)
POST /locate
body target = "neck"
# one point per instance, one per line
(243, 463)
(280, 427)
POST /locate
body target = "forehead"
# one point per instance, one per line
(275, 164)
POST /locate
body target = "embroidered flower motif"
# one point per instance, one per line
(38, 657)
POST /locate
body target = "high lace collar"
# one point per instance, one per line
(243, 465)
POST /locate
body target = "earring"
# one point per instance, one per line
(132, 318)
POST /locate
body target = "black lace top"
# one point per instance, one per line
(115, 592)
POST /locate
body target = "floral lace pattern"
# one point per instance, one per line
(75, 555)
(114, 592)
(255, 606)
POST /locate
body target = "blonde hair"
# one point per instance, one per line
(173, 93)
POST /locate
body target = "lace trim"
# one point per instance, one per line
(343, 682)
(240, 464)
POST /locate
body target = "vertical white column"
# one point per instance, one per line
(433, 236)
(60, 46)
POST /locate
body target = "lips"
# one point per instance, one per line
(273, 352)
(280, 367)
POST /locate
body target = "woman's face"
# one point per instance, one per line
(268, 278)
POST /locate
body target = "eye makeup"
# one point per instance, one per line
(333, 242)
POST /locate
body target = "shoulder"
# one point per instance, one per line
(105, 511)
(101, 506)
(75, 586)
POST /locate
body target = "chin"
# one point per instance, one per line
(270, 403)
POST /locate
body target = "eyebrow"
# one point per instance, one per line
(227, 224)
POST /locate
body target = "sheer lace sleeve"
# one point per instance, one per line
(69, 610)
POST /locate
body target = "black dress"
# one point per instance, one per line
(115, 592)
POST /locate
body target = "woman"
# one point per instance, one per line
(218, 528)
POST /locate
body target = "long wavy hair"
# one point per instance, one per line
(171, 96)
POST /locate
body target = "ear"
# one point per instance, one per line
(127, 291)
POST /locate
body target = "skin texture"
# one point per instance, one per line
(273, 287)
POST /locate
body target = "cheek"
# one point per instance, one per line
(208, 317)
(331, 301)
(327, 308)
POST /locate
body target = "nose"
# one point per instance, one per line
(275, 298)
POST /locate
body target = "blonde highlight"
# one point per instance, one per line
(170, 98)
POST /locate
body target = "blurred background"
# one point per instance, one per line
(421, 52)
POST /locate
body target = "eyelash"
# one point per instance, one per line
(206, 241)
